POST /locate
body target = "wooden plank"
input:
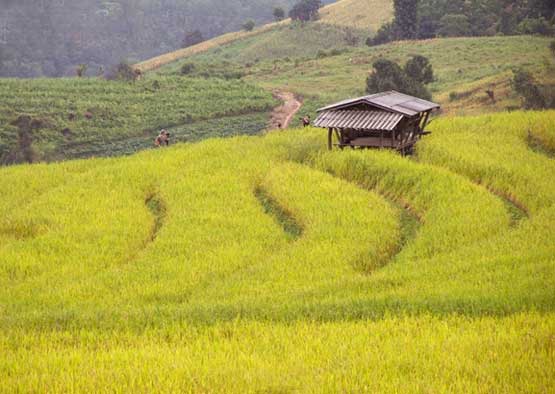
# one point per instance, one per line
(374, 142)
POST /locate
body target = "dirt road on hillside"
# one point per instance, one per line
(283, 115)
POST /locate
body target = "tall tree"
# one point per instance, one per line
(305, 10)
(406, 19)
(278, 13)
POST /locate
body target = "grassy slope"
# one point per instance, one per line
(337, 14)
(358, 14)
(467, 66)
(209, 293)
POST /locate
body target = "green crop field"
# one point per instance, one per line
(268, 264)
(83, 117)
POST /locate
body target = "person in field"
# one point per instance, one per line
(306, 121)
(163, 139)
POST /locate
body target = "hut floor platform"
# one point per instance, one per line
(376, 142)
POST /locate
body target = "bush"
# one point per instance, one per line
(453, 96)
(249, 25)
(525, 86)
(192, 38)
(383, 35)
(187, 68)
(123, 72)
(539, 26)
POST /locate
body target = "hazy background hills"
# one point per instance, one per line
(50, 37)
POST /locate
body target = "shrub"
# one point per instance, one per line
(383, 35)
(525, 86)
(305, 10)
(249, 25)
(192, 38)
(538, 26)
(187, 68)
(123, 72)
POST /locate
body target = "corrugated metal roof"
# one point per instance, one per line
(356, 119)
(389, 101)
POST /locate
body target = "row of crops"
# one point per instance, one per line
(72, 116)
(209, 292)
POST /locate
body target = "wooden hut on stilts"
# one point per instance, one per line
(384, 120)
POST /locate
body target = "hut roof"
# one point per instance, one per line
(357, 119)
(391, 101)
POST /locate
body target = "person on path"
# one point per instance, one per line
(306, 121)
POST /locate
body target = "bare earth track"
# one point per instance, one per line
(282, 115)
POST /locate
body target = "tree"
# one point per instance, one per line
(454, 25)
(420, 69)
(278, 13)
(187, 68)
(405, 19)
(388, 75)
(524, 84)
(249, 25)
(383, 35)
(305, 10)
(192, 38)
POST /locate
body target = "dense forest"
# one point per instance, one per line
(422, 19)
(52, 37)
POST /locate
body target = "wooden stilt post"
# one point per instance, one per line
(329, 138)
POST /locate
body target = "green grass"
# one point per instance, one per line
(467, 66)
(125, 116)
(222, 300)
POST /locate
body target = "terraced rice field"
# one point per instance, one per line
(267, 264)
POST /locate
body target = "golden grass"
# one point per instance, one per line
(359, 14)
(222, 300)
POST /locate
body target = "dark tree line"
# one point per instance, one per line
(422, 19)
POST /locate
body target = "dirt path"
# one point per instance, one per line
(283, 114)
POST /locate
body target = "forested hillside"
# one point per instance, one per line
(51, 37)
